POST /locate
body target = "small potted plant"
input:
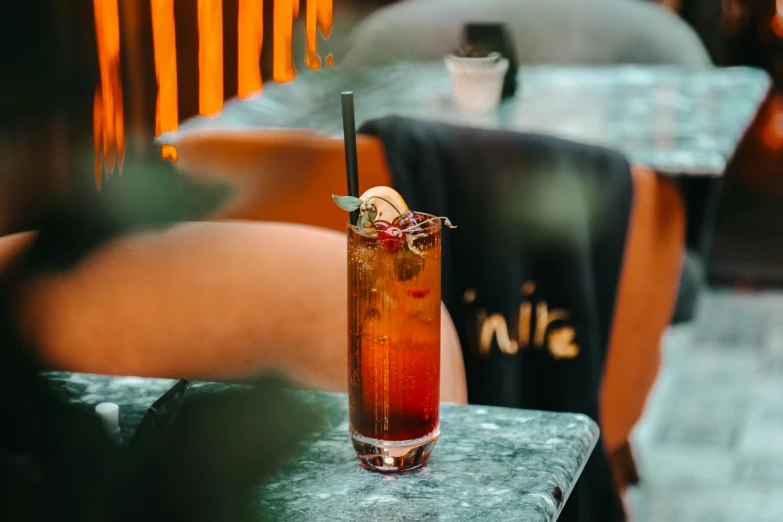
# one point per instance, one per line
(476, 78)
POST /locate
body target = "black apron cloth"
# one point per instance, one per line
(531, 273)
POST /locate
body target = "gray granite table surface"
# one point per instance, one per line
(489, 463)
(674, 120)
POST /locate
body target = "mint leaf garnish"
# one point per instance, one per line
(348, 203)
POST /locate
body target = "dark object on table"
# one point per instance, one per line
(495, 38)
(542, 224)
(202, 453)
(159, 417)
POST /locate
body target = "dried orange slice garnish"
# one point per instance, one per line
(388, 202)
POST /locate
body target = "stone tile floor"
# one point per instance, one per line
(710, 444)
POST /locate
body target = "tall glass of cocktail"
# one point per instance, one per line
(394, 291)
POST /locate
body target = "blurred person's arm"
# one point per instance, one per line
(207, 301)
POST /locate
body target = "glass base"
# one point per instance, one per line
(393, 457)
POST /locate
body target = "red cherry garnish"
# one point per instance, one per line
(402, 217)
(381, 224)
(409, 219)
(391, 238)
(419, 218)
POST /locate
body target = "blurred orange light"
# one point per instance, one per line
(320, 15)
(165, 50)
(283, 64)
(108, 120)
(210, 57)
(251, 37)
(108, 126)
(169, 152)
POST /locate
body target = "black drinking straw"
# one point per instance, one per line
(351, 162)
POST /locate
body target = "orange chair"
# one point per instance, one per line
(644, 306)
(281, 175)
(315, 167)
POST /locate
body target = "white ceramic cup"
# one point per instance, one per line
(476, 86)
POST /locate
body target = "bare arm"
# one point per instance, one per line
(209, 301)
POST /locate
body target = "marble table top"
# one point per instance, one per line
(677, 121)
(489, 463)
